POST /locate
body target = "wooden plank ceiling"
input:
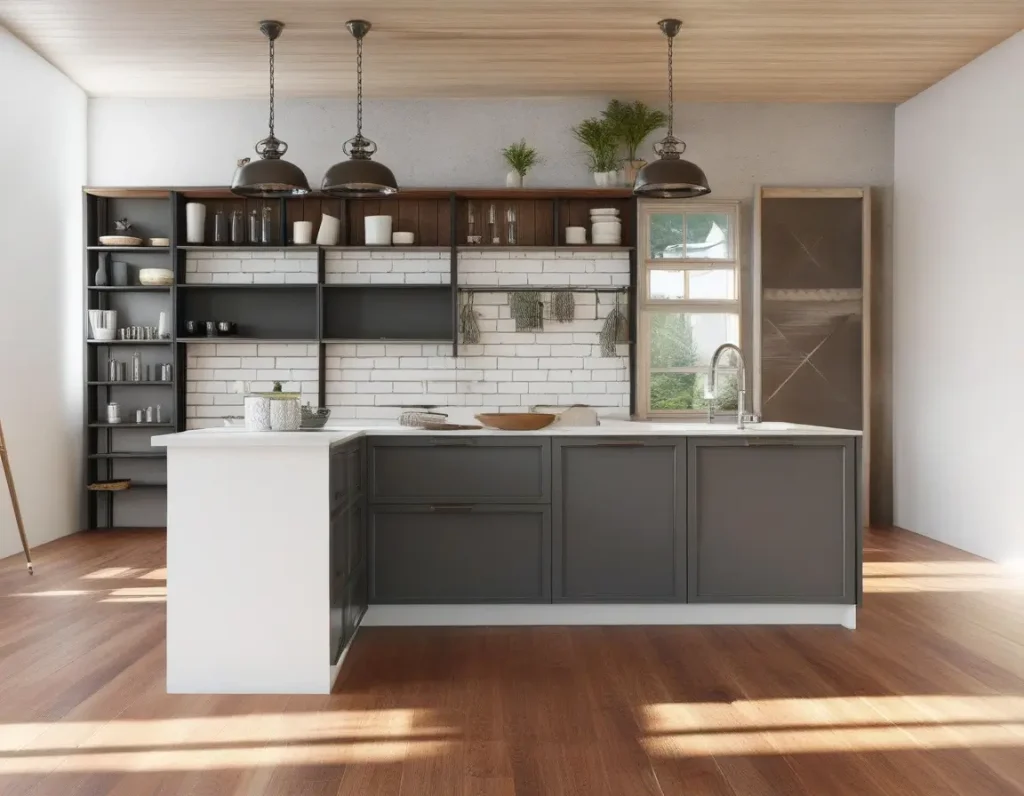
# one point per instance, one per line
(729, 50)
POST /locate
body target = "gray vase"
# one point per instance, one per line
(120, 274)
(101, 271)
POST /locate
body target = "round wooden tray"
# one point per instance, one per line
(516, 421)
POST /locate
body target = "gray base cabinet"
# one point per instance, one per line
(772, 520)
(347, 544)
(619, 521)
(460, 553)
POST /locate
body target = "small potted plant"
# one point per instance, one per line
(599, 138)
(520, 158)
(633, 122)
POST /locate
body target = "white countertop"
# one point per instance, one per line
(336, 433)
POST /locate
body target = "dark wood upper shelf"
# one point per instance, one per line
(222, 192)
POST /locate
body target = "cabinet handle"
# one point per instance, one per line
(621, 444)
(451, 508)
(452, 443)
(755, 442)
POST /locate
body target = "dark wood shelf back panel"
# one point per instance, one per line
(373, 313)
(260, 312)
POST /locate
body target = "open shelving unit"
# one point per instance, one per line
(315, 313)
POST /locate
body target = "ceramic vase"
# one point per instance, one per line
(120, 273)
(101, 271)
(195, 222)
(513, 180)
(257, 413)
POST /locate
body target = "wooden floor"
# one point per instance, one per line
(926, 697)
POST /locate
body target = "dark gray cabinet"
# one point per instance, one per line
(459, 469)
(772, 520)
(619, 532)
(460, 553)
(347, 543)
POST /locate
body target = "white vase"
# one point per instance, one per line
(377, 230)
(302, 233)
(513, 180)
(330, 230)
(601, 179)
(195, 222)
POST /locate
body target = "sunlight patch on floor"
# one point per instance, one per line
(840, 725)
(885, 577)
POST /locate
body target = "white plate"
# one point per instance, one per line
(604, 211)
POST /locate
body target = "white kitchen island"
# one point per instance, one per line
(256, 569)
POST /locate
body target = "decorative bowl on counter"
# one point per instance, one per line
(516, 421)
(314, 419)
(156, 276)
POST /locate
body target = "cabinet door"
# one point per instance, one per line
(772, 520)
(424, 470)
(460, 553)
(619, 523)
(338, 566)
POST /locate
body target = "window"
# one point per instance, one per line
(689, 305)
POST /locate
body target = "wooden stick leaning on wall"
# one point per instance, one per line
(14, 499)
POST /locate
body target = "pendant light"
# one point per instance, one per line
(359, 175)
(671, 177)
(270, 176)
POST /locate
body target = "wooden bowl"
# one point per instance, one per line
(516, 421)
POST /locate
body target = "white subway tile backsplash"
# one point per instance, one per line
(508, 371)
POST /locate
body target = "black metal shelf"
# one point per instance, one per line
(394, 340)
(396, 286)
(127, 424)
(590, 247)
(135, 485)
(232, 339)
(129, 342)
(247, 285)
(541, 289)
(257, 247)
(133, 249)
(128, 455)
(129, 288)
(128, 383)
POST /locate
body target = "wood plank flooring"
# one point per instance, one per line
(926, 697)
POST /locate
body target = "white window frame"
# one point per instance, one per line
(648, 306)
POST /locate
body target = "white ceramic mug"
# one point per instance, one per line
(378, 230)
(329, 232)
(302, 233)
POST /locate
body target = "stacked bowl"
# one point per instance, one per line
(605, 226)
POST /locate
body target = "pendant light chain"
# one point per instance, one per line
(271, 87)
(672, 92)
(359, 87)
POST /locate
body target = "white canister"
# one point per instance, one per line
(113, 413)
(163, 327)
(257, 413)
(378, 230)
(575, 236)
(285, 414)
(302, 234)
(329, 232)
(195, 222)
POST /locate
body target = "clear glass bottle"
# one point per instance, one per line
(254, 226)
(137, 366)
(492, 225)
(472, 238)
(511, 227)
(237, 228)
(220, 228)
(265, 226)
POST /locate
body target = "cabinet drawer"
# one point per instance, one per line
(450, 554)
(459, 470)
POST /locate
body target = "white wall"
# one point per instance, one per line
(43, 168)
(458, 142)
(958, 358)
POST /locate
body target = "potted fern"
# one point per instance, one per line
(599, 139)
(520, 158)
(632, 123)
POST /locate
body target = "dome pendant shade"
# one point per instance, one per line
(271, 176)
(671, 177)
(359, 175)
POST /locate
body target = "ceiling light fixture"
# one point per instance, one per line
(270, 176)
(671, 177)
(359, 175)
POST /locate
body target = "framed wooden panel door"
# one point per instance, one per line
(812, 317)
